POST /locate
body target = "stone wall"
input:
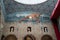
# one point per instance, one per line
(37, 30)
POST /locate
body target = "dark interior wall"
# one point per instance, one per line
(59, 23)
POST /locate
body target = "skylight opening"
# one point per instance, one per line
(30, 2)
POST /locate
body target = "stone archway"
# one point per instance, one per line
(29, 37)
(11, 37)
(46, 37)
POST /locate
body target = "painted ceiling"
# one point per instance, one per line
(12, 8)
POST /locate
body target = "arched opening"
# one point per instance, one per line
(11, 37)
(12, 29)
(29, 37)
(46, 37)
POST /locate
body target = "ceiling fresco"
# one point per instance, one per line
(12, 8)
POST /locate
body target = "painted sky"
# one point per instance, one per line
(12, 8)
